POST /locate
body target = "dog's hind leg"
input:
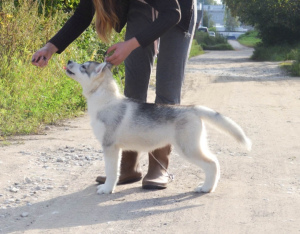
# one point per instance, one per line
(199, 154)
(211, 168)
(112, 164)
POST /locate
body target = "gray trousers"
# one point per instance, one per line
(173, 54)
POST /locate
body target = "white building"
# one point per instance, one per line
(217, 13)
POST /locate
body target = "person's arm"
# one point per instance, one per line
(168, 16)
(80, 20)
(75, 26)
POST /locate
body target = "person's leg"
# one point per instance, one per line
(173, 54)
(138, 64)
(130, 170)
(138, 67)
(172, 58)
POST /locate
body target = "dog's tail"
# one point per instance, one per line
(224, 124)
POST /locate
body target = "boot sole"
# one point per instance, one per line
(128, 181)
(154, 187)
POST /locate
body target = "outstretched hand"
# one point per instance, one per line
(43, 55)
(121, 51)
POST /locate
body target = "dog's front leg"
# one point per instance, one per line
(112, 165)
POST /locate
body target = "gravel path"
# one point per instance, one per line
(47, 181)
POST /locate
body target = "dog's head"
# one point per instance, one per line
(86, 71)
(89, 74)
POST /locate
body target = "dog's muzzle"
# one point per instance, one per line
(67, 69)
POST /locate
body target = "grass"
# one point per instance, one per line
(196, 49)
(31, 97)
(289, 53)
(283, 52)
(292, 67)
(249, 39)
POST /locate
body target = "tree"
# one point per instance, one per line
(207, 21)
(230, 22)
(278, 21)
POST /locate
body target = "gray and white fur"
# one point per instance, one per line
(120, 123)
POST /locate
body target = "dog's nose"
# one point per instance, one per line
(70, 62)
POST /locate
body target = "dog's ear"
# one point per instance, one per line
(101, 66)
(108, 65)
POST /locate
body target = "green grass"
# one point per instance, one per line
(249, 39)
(292, 67)
(196, 49)
(276, 52)
(290, 54)
(224, 46)
(31, 97)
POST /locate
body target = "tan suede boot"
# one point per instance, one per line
(130, 170)
(157, 177)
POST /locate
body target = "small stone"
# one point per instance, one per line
(64, 187)
(24, 214)
(28, 180)
(13, 190)
(88, 158)
(23, 152)
(47, 128)
(59, 160)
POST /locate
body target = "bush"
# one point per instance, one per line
(275, 53)
(295, 68)
(277, 21)
(218, 47)
(30, 96)
(289, 53)
(212, 43)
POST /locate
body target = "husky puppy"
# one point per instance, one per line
(120, 123)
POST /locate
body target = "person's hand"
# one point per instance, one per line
(121, 51)
(42, 56)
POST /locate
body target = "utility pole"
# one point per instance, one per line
(202, 8)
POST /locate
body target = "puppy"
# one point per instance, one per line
(120, 123)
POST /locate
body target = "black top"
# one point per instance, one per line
(171, 12)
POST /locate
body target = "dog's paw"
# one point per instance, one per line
(102, 189)
(202, 189)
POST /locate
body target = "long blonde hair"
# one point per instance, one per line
(106, 18)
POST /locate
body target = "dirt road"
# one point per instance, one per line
(47, 181)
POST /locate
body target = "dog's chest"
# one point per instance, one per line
(106, 121)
